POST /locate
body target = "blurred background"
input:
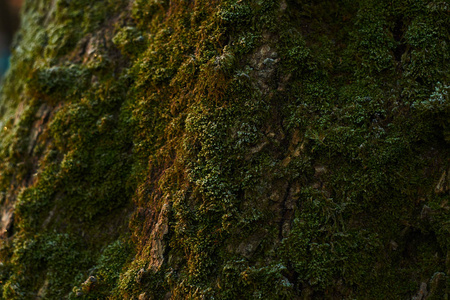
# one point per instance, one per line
(9, 22)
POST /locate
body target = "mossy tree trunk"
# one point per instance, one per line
(264, 149)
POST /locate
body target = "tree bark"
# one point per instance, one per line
(226, 150)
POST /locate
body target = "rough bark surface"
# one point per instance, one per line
(261, 149)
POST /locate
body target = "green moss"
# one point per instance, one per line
(268, 149)
(103, 278)
(57, 83)
(129, 40)
(49, 262)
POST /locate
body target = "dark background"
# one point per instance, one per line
(9, 22)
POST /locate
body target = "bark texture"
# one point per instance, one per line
(260, 149)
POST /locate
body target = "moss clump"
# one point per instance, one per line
(45, 265)
(103, 278)
(58, 83)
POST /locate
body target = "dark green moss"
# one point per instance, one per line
(259, 149)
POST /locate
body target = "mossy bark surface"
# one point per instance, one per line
(260, 149)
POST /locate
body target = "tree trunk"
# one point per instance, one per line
(262, 149)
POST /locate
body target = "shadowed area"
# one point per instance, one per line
(9, 22)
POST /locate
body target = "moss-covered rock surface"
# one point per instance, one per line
(227, 149)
